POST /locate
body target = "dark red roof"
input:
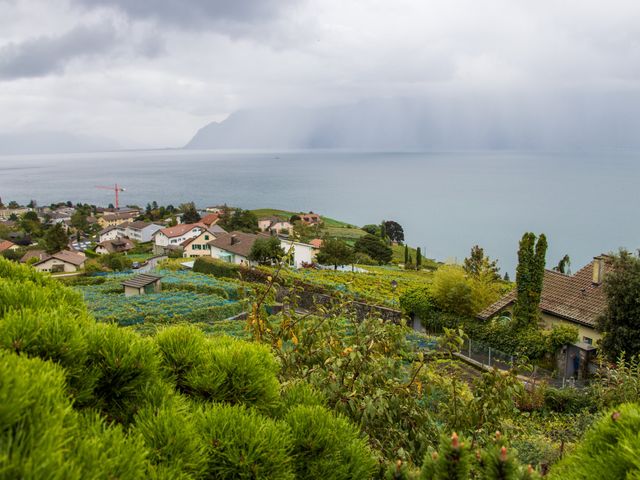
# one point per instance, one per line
(572, 297)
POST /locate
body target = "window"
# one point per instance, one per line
(206, 237)
(587, 340)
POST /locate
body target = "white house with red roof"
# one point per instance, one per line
(173, 237)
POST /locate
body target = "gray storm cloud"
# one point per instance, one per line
(49, 54)
(406, 73)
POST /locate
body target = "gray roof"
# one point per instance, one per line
(141, 280)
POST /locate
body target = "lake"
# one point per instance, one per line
(585, 202)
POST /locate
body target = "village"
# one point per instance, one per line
(301, 283)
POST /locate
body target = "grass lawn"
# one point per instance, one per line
(286, 215)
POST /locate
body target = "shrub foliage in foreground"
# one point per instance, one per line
(84, 400)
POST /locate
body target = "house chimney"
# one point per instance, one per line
(233, 240)
(598, 270)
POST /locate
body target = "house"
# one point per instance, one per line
(310, 218)
(110, 233)
(118, 245)
(37, 254)
(172, 237)
(64, 261)
(199, 246)
(140, 231)
(316, 243)
(142, 284)
(303, 253)
(576, 300)
(114, 219)
(7, 245)
(210, 219)
(276, 225)
(234, 247)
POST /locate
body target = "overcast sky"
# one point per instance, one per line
(149, 73)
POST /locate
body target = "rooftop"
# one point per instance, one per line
(141, 280)
(181, 229)
(572, 297)
(239, 243)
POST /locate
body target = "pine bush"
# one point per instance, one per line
(327, 446)
(242, 444)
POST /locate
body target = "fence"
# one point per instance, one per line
(487, 357)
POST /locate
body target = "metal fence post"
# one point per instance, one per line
(489, 356)
(469, 348)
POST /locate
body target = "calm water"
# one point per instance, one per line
(586, 203)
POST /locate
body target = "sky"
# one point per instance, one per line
(149, 73)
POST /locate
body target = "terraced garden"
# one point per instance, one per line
(186, 296)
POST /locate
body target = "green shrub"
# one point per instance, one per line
(236, 372)
(102, 451)
(182, 348)
(242, 444)
(610, 449)
(567, 400)
(326, 446)
(417, 301)
(215, 267)
(125, 363)
(34, 417)
(300, 393)
(169, 431)
(56, 335)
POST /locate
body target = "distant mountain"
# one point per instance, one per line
(475, 122)
(52, 142)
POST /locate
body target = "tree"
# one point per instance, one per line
(13, 204)
(56, 239)
(239, 219)
(564, 265)
(418, 258)
(375, 248)
(477, 264)
(394, 231)
(406, 254)
(383, 232)
(529, 277)
(335, 252)
(372, 229)
(30, 223)
(189, 213)
(619, 323)
(266, 251)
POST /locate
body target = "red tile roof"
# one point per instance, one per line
(181, 229)
(67, 257)
(210, 219)
(316, 242)
(6, 245)
(571, 297)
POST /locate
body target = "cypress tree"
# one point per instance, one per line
(529, 278)
(406, 254)
(418, 258)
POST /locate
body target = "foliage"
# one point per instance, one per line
(479, 265)
(374, 247)
(417, 301)
(610, 449)
(617, 383)
(327, 446)
(56, 238)
(619, 323)
(452, 462)
(215, 267)
(451, 290)
(242, 444)
(529, 276)
(564, 265)
(116, 262)
(238, 220)
(266, 251)
(393, 231)
(334, 252)
(189, 212)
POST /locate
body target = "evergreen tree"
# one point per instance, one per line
(564, 265)
(383, 232)
(375, 248)
(477, 264)
(619, 323)
(529, 278)
(418, 258)
(56, 239)
(406, 254)
(189, 213)
(334, 252)
(506, 277)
